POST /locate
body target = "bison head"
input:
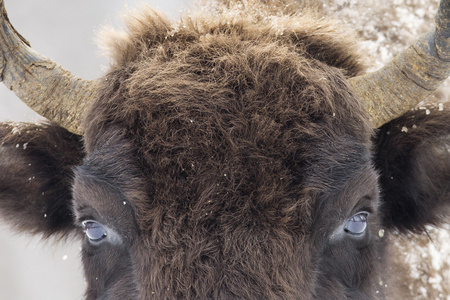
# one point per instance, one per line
(229, 158)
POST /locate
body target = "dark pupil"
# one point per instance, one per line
(357, 224)
(94, 230)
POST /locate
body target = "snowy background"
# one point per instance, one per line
(65, 31)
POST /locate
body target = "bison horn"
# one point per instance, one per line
(50, 90)
(411, 76)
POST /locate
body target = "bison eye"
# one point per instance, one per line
(357, 224)
(94, 231)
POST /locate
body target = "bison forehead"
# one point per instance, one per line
(264, 177)
(248, 148)
(235, 113)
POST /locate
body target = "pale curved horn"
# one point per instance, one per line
(42, 84)
(411, 76)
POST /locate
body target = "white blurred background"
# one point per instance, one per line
(31, 269)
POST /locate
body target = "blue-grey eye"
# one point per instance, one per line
(94, 230)
(357, 224)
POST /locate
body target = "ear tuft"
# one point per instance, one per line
(36, 176)
(413, 156)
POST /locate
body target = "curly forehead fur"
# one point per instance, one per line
(220, 102)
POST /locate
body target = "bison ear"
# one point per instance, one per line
(36, 177)
(413, 157)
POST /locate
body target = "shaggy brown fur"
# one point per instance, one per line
(215, 108)
(225, 156)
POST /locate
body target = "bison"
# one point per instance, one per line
(242, 153)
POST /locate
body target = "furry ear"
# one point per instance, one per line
(413, 156)
(36, 177)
